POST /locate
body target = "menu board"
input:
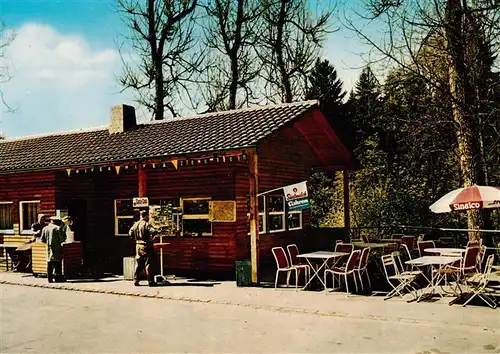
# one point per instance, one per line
(222, 211)
(167, 218)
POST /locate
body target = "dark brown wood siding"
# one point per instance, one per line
(20, 187)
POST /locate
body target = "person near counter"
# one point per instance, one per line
(144, 234)
(53, 236)
(67, 229)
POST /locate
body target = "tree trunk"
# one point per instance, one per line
(471, 166)
(285, 78)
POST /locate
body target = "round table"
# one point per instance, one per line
(445, 250)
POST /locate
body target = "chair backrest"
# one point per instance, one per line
(338, 241)
(363, 260)
(475, 243)
(409, 241)
(406, 251)
(280, 257)
(422, 245)
(293, 252)
(344, 247)
(487, 270)
(398, 264)
(389, 266)
(470, 258)
(352, 262)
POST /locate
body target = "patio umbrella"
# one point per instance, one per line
(473, 197)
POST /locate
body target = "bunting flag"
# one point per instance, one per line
(202, 160)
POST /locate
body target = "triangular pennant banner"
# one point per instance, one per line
(117, 168)
(175, 163)
(68, 171)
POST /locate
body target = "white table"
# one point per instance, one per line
(436, 262)
(324, 256)
(446, 251)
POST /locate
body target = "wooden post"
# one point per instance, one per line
(142, 183)
(347, 219)
(253, 173)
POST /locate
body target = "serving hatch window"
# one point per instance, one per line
(124, 216)
(195, 220)
(28, 212)
(6, 221)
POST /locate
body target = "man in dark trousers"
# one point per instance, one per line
(144, 234)
(54, 238)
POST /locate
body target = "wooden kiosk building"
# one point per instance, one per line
(189, 163)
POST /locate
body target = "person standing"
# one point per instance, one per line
(67, 229)
(52, 235)
(144, 234)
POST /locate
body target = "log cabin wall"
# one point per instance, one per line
(19, 187)
(212, 254)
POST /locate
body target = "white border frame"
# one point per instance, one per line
(21, 221)
(282, 213)
(262, 216)
(8, 231)
(299, 212)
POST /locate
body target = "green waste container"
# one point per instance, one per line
(243, 273)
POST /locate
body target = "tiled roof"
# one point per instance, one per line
(211, 132)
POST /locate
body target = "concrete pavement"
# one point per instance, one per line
(40, 320)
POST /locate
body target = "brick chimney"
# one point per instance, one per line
(122, 119)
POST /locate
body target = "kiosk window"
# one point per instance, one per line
(124, 216)
(29, 211)
(6, 221)
(195, 217)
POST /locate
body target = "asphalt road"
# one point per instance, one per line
(44, 320)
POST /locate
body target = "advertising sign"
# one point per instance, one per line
(141, 202)
(296, 196)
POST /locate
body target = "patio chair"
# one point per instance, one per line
(460, 268)
(345, 248)
(283, 266)
(362, 267)
(422, 245)
(479, 285)
(398, 281)
(293, 252)
(409, 241)
(349, 269)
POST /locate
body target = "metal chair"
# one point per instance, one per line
(283, 266)
(422, 245)
(349, 269)
(293, 252)
(398, 281)
(362, 267)
(345, 248)
(479, 285)
(409, 241)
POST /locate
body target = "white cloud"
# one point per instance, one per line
(58, 82)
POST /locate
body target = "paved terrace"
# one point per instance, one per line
(284, 300)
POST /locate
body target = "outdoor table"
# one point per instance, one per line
(324, 256)
(9, 249)
(432, 261)
(447, 251)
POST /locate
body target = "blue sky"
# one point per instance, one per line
(64, 63)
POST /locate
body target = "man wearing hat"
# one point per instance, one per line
(144, 234)
(52, 235)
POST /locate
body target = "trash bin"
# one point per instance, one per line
(128, 268)
(243, 273)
